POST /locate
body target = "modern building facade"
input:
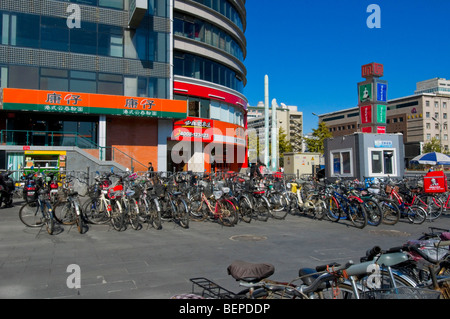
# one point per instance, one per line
(419, 118)
(121, 75)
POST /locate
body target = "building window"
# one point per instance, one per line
(342, 163)
(427, 115)
(382, 162)
(3, 77)
(436, 104)
(428, 126)
(428, 137)
(427, 103)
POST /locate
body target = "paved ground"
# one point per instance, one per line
(158, 264)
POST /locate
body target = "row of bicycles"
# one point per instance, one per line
(369, 202)
(419, 269)
(133, 200)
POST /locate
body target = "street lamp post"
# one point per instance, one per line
(440, 132)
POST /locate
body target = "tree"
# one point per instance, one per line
(432, 146)
(284, 146)
(315, 143)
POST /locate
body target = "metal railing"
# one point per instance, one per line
(69, 139)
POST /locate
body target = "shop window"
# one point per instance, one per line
(342, 163)
(194, 109)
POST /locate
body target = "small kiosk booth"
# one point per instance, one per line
(364, 155)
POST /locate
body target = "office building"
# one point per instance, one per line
(123, 76)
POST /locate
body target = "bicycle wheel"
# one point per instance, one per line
(117, 221)
(65, 213)
(181, 213)
(96, 212)
(197, 208)
(278, 205)
(80, 219)
(357, 214)
(320, 209)
(374, 212)
(432, 205)
(49, 220)
(333, 209)
(261, 208)
(416, 214)
(30, 215)
(154, 215)
(391, 211)
(293, 203)
(245, 209)
(133, 214)
(227, 212)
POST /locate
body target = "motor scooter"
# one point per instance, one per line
(7, 186)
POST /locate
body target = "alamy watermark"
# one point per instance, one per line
(374, 19)
(74, 279)
(74, 19)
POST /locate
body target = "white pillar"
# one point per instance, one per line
(102, 137)
(266, 122)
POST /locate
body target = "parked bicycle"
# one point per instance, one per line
(215, 207)
(68, 211)
(172, 206)
(104, 205)
(39, 212)
(341, 204)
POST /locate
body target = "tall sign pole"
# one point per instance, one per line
(372, 99)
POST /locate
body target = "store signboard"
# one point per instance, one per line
(204, 130)
(87, 103)
(194, 130)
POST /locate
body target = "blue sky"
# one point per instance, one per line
(313, 50)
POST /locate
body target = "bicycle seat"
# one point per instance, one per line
(249, 272)
(73, 194)
(177, 193)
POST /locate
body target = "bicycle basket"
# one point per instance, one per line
(160, 190)
(401, 293)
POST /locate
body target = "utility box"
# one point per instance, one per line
(302, 163)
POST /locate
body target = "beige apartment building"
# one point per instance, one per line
(288, 118)
(419, 117)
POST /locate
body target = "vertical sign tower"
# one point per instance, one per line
(372, 99)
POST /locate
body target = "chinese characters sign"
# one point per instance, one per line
(207, 131)
(84, 103)
(372, 70)
(193, 129)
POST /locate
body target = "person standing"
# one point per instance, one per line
(150, 169)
